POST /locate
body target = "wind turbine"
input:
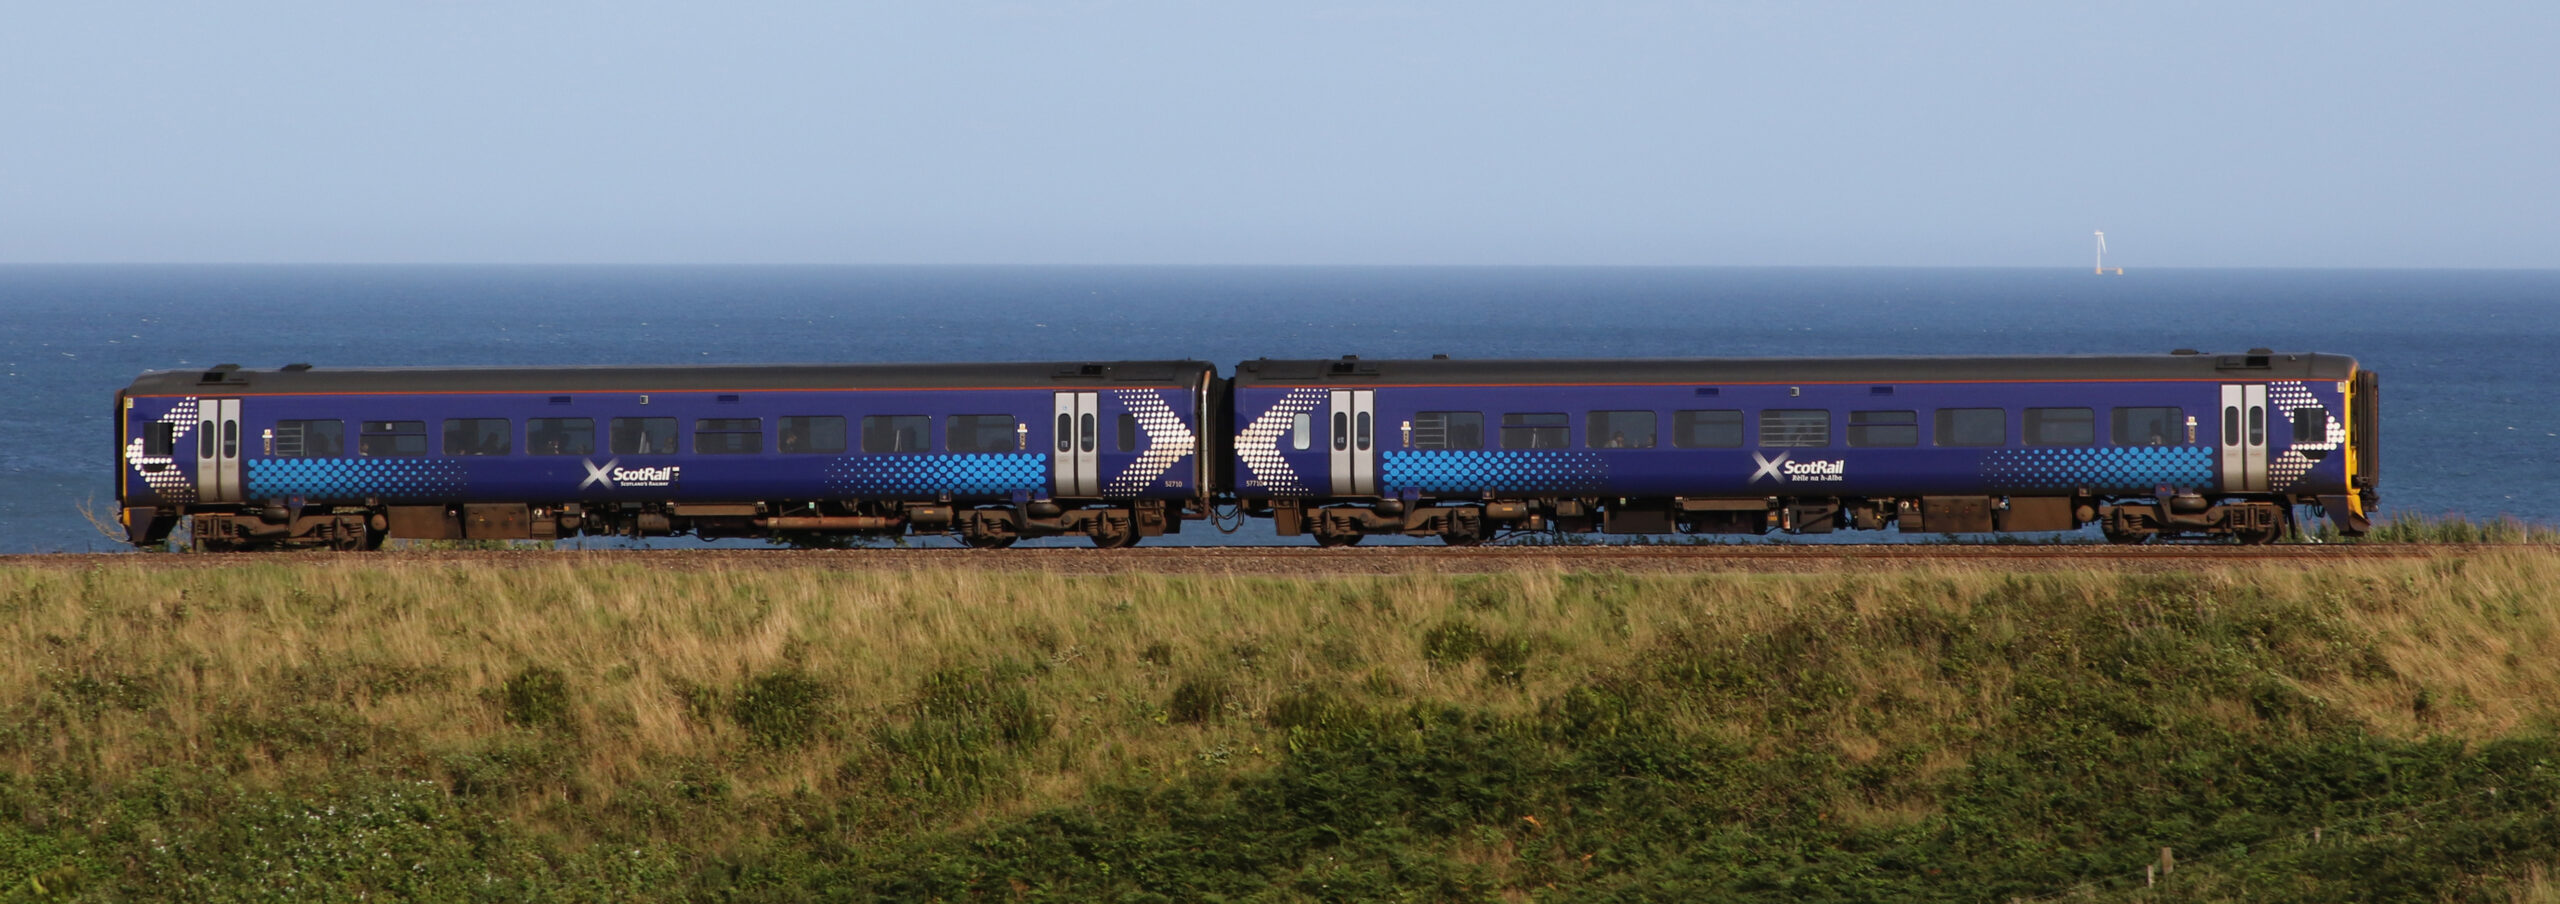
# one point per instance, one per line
(2102, 255)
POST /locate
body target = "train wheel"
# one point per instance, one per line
(1333, 540)
(1462, 538)
(988, 541)
(2127, 538)
(1115, 533)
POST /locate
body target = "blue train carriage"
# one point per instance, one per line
(2177, 445)
(346, 458)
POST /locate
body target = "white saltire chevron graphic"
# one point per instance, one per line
(171, 483)
(2288, 396)
(1169, 440)
(1258, 446)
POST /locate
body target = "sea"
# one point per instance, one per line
(2467, 358)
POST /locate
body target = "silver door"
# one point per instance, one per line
(1352, 429)
(218, 450)
(2244, 438)
(1079, 427)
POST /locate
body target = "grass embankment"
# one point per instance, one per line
(333, 729)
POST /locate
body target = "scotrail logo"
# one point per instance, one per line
(1781, 470)
(613, 476)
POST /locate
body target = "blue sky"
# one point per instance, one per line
(1979, 134)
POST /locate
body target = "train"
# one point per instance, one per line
(2184, 446)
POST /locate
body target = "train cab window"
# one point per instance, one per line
(728, 436)
(2061, 426)
(1794, 428)
(823, 435)
(897, 433)
(1128, 433)
(1537, 430)
(1448, 430)
(1884, 428)
(2310, 425)
(560, 436)
(644, 436)
(1971, 427)
(392, 439)
(478, 436)
(978, 433)
(1619, 429)
(160, 439)
(310, 439)
(1302, 430)
(1706, 429)
(2146, 426)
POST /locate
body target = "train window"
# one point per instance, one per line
(644, 436)
(978, 433)
(913, 432)
(1066, 432)
(2257, 425)
(2231, 425)
(392, 439)
(2146, 426)
(728, 436)
(309, 439)
(2310, 425)
(1706, 429)
(1302, 430)
(1361, 431)
(559, 436)
(1794, 428)
(1884, 428)
(2061, 426)
(1618, 429)
(1341, 431)
(1128, 433)
(1448, 430)
(1537, 430)
(824, 435)
(1086, 433)
(1971, 427)
(160, 439)
(478, 436)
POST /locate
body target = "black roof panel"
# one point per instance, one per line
(2024, 368)
(671, 378)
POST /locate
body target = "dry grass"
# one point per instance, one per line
(271, 671)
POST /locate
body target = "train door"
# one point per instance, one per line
(1354, 438)
(218, 450)
(1078, 467)
(2244, 438)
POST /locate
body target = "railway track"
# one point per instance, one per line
(1275, 560)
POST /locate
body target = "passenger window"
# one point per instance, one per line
(392, 439)
(1884, 428)
(1360, 431)
(160, 439)
(2062, 426)
(978, 433)
(824, 435)
(478, 436)
(2310, 425)
(1128, 433)
(1537, 430)
(1972, 427)
(1794, 428)
(728, 436)
(1341, 431)
(1302, 430)
(1066, 433)
(1448, 430)
(306, 439)
(912, 432)
(2231, 426)
(1706, 429)
(644, 436)
(1618, 430)
(2146, 426)
(560, 436)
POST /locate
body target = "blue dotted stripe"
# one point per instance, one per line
(1443, 471)
(972, 474)
(2117, 467)
(353, 478)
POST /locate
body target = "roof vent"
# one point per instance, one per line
(222, 373)
(2185, 351)
(296, 368)
(1439, 357)
(2262, 351)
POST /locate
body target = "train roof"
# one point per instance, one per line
(2252, 365)
(302, 379)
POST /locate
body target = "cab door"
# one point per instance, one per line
(218, 451)
(1077, 467)
(2244, 438)
(1354, 435)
